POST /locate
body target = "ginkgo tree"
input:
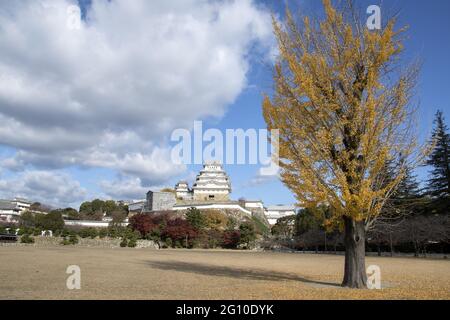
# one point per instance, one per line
(342, 105)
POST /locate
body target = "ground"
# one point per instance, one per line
(124, 273)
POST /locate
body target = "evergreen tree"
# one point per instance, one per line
(439, 182)
(408, 187)
(408, 199)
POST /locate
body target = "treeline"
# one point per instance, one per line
(199, 229)
(414, 219)
(89, 210)
(195, 229)
(97, 209)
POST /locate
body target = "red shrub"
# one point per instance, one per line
(231, 239)
(179, 229)
(143, 223)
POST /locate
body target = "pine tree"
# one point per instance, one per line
(407, 198)
(439, 182)
(408, 187)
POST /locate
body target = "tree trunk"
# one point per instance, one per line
(390, 243)
(416, 250)
(355, 267)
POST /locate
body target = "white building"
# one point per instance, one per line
(273, 213)
(182, 191)
(253, 204)
(212, 189)
(22, 204)
(228, 205)
(137, 206)
(9, 212)
(212, 184)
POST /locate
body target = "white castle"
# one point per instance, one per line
(210, 191)
(211, 184)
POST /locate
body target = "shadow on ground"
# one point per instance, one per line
(222, 271)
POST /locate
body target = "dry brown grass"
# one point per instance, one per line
(39, 273)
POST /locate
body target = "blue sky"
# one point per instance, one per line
(428, 23)
(52, 146)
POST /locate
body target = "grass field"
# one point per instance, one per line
(40, 273)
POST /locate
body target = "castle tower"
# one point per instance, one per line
(182, 191)
(212, 184)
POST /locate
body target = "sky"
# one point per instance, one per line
(88, 107)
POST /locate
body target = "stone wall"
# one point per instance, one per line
(86, 242)
(159, 201)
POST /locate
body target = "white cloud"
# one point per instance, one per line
(109, 94)
(54, 188)
(125, 189)
(260, 179)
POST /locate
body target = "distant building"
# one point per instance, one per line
(9, 212)
(211, 184)
(160, 201)
(256, 207)
(182, 191)
(123, 202)
(211, 190)
(22, 204)
(273, 213)
(137, 207)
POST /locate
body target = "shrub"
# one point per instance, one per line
(115, 231)
(132, 243)
(50, 221)
(209, 239)
(71, 239)
(26, 239)
(143, 223)
(247, 233)
(124, 242)
(179, 230)
(23, 231)
(84, 233)
(102, 233)
(129, 238)
(231, 223)
(93, 233)
(168, 242)
(196, 219)
(37, 231)
(64, 233)
(88, 233)
(27, 220)
(231, 239)
(215, 219)
(260, 227)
